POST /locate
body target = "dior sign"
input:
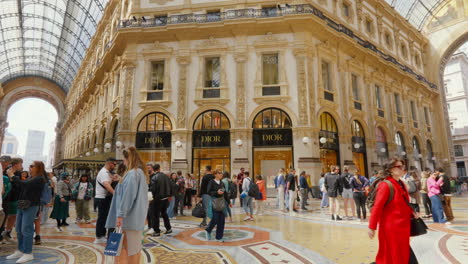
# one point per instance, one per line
(211, 138)
(272, 137)
(153, 140)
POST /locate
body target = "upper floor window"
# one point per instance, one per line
(270, 78)
(378, 96)
(397, 104)
(426, 116)
(326, 78)
(388, 39)
(458, 150)
(212, 77)
(214, 15)
(369, 26)
(346, 9)
(157, 81)
(355, 86)
(413, 111)
(403, 50)
(417, 60)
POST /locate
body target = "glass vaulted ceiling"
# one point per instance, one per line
(46, 38)
(417, 12)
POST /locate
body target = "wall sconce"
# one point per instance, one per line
(107, 147)
(305, 140)
(403, 153)
(118, 144)
(178, 144)
(96, 150)
(445, 160)
(323, 140)
(88, 154)
(420, 156)
(383, 150)
(357, 145)
(434, 158)
(239, 142)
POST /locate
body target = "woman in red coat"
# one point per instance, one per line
(394, 218)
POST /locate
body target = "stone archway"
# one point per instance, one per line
(33, 87)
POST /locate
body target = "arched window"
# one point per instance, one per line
(380, 135)
(416, 148)
(430, 151)
(357, 129)
(211, 119)
(400, 143)
(381, 140)
(155, 121)
(272, 118)
(327, 123)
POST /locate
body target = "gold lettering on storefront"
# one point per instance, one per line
(210, 139)
(153, 140)
(274, 137)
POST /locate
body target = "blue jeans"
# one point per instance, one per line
(218, 220)
(247, 205)
(25, 228)
(324, 202)
(170, 209)
(437, 210)
(228, 209)
(206, 200)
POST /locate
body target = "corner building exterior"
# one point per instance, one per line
(253, 84)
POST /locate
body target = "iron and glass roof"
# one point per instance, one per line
(417, 12)
(46, 38)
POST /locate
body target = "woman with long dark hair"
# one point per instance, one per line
(393, 216)
(28, 205)
(358, 185)
(130, 205)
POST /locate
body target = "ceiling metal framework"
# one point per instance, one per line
(416, 12)
(46, 38)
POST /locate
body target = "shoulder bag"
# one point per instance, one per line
(219, 204)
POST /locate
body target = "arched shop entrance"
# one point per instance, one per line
(381, 146)
(417, 154)
(329, 142)
(358, 142)
(153, 139)
(272, 144)
(211, 142)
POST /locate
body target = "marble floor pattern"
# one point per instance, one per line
(276, 237)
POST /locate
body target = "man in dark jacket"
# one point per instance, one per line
(334, 188)
(447, 192)
(206, 198)
(161, 190)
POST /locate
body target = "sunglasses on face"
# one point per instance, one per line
(399, 167)
(31, 166)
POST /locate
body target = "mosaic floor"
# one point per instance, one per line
(305, 237)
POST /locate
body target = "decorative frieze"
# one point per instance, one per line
(182, 95)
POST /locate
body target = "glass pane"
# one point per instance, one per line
(270, 69)
(167, 124)
(258, 122)
(276, 121)
(224, 122)
(212, 72)
(216, 119)
(207, 122)
(157, 76)
(198, 123)
(354, 83)
(267, 119)
(151, 122)
(326, 76)
(142, 126)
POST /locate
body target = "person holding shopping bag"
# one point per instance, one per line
(129, 206)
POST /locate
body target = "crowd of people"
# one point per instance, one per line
(120, 194)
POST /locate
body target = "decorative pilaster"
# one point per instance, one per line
(183, 61)
(125, 118)
(300, 55)
(241, 58)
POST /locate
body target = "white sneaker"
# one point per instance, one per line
(101, 240)
(150, 231)
(247, 218)
(448, 223)
(25, 258)
(17, 254)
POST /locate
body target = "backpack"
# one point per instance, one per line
(345, 180)
(373, 192)
(253, 189)
(46, 194)
(232, 190)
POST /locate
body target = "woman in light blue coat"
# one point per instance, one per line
(129, 204)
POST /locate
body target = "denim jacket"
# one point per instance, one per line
(130, 202)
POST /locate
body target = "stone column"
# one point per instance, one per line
(180, 154)
(59, 146)
(124, 134)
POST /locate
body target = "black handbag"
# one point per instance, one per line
(218, 204)
(24, 204)
(418, 227)
(198, 211)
